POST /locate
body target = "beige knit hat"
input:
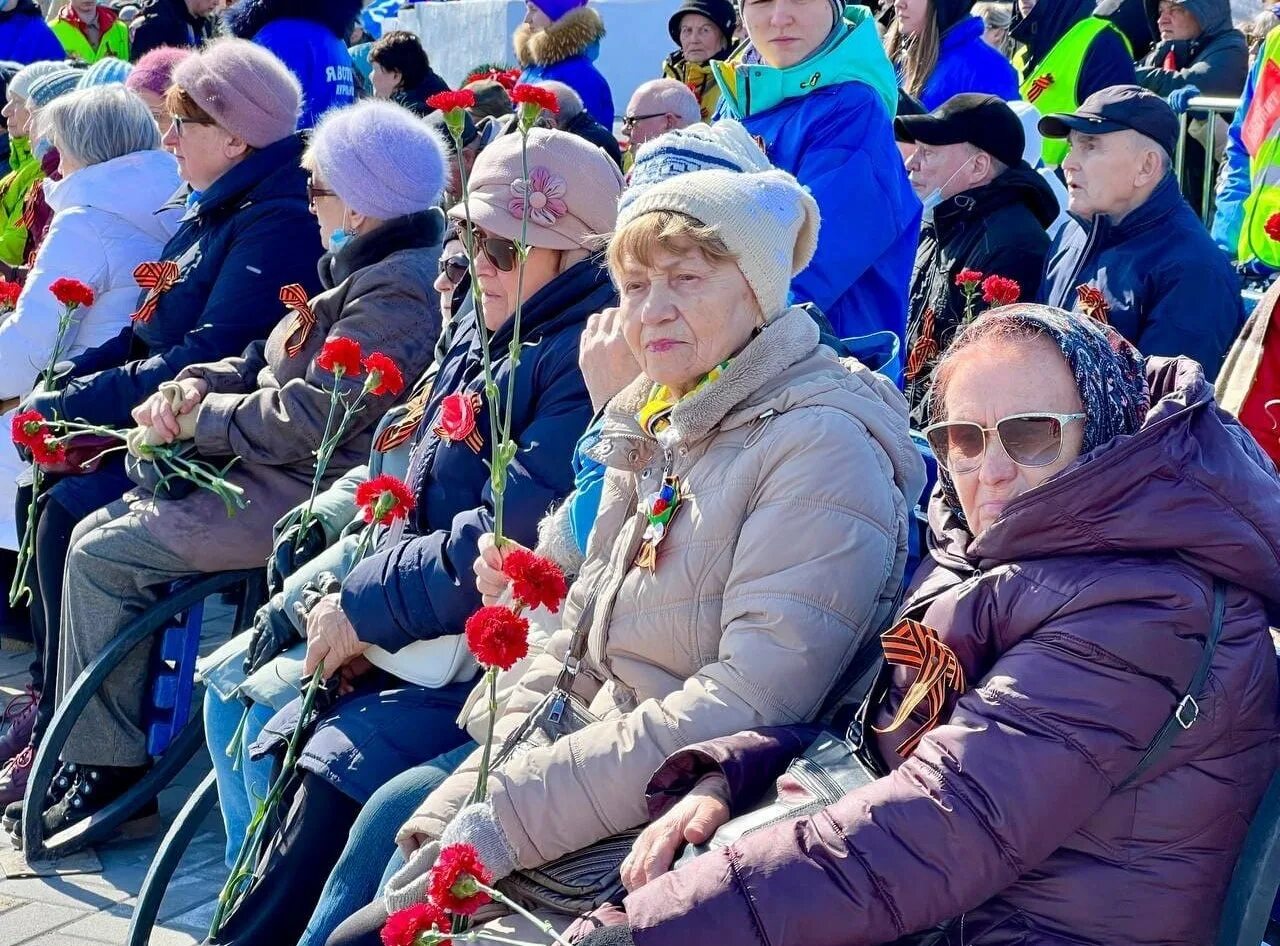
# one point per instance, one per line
(765, 218)
(572, 191)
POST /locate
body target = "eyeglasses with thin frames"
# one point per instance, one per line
(180, 123)
(629, 121)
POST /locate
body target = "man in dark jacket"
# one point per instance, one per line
(177, 23)
(985, 210)
(1135, 255)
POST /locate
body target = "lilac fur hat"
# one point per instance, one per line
(380, 159)
(154, 71)
(244, 88)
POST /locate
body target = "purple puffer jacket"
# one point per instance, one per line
(1077, 617)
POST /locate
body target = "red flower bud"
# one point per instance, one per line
(71, 292)
(535, 581)
(341, 357)
(497, 636)
(453, 880)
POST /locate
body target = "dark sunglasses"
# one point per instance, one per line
(629, 121)
(501, 253)
(1031, 440)
(313, 192)
(180, 123)
(453, 268)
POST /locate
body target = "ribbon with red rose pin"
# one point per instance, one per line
(295, 297)
(157, 278)
(457, 422)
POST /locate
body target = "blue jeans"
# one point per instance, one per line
(358, 876)
(238, 791)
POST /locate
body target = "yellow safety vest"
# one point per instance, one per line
(1263, 201)
(114, 42)
(1051, 85)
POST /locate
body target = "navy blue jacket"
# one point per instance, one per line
(423, 586)
(1108, 61)
(247, 236)
(1164, 285)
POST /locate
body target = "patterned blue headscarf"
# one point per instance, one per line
(1109, 373)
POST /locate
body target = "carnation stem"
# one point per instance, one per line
(482, 777)
(542, 925)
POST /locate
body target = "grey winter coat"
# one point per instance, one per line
(268, 407)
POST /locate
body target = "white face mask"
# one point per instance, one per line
(934, 197)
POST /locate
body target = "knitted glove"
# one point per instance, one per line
(608, 936)
(478, 826)
(273, 634)
(1179, 99)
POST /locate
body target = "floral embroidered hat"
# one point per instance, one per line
(572, 191)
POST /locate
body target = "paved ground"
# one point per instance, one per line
(94, 908)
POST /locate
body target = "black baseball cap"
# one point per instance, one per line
(984, 121)
(1118, 108)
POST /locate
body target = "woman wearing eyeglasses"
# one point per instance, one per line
(1088, 504)
(213, 289)
(401, 610)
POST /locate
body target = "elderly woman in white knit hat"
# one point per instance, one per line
(376, 176)
(25, 168)
(752, 532)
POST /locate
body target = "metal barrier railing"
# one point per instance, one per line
(1215, 106)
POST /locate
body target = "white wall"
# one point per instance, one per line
(461, 34)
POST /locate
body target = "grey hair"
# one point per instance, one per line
(670, 98)
(570, 102)
(99, 124)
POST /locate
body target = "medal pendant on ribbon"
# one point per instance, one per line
(659, 508)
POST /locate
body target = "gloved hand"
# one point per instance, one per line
(605, 935)
(47, 402)
(273, 634)
(294, 548)
(478, 826)
(1179, 99)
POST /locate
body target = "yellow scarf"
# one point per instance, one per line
(655, 416)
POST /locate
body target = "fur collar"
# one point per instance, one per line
(571, 35)
(245, 18)
(737, 396)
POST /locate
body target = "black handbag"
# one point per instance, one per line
(586, 879)
(835, 764)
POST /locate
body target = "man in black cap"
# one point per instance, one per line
(703, 31)
(1135, 254)
(985, 210)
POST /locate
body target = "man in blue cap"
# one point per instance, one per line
(1135, 255)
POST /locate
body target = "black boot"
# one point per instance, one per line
(57, 790)
(93, 789)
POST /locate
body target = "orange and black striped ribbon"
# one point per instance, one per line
(403, 429)
(295, 297)
(157, 278)
(1093, 303)
(925, 348)
(912, 644)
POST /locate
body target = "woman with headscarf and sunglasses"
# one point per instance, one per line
(1091, 511)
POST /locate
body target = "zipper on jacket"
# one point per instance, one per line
(1084, 258)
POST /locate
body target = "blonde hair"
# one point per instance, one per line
(917, 55)
(644, 237)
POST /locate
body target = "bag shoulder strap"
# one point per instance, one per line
(1187, 711)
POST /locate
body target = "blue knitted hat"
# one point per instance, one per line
(105, 72)
(47, 88)
(20, 85)
(380, 159)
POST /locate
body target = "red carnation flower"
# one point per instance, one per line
(968, 278)
(404, 926)
(384, 499)
(341, 356)
(384, 375)
(449, 100)
(497, 636)
(28, 428)
(71, 292)
(999, 290)
(46, 451)
(456, 878)
(532, 95)
(1273, 226)
(9, 292)
(535, 580)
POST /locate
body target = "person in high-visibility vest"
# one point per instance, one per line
(90, 31)
(1249, 187)
(1067, 54)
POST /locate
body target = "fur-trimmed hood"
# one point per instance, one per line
(577, 33)
(245, 18)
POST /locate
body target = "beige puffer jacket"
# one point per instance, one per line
(798, 475)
